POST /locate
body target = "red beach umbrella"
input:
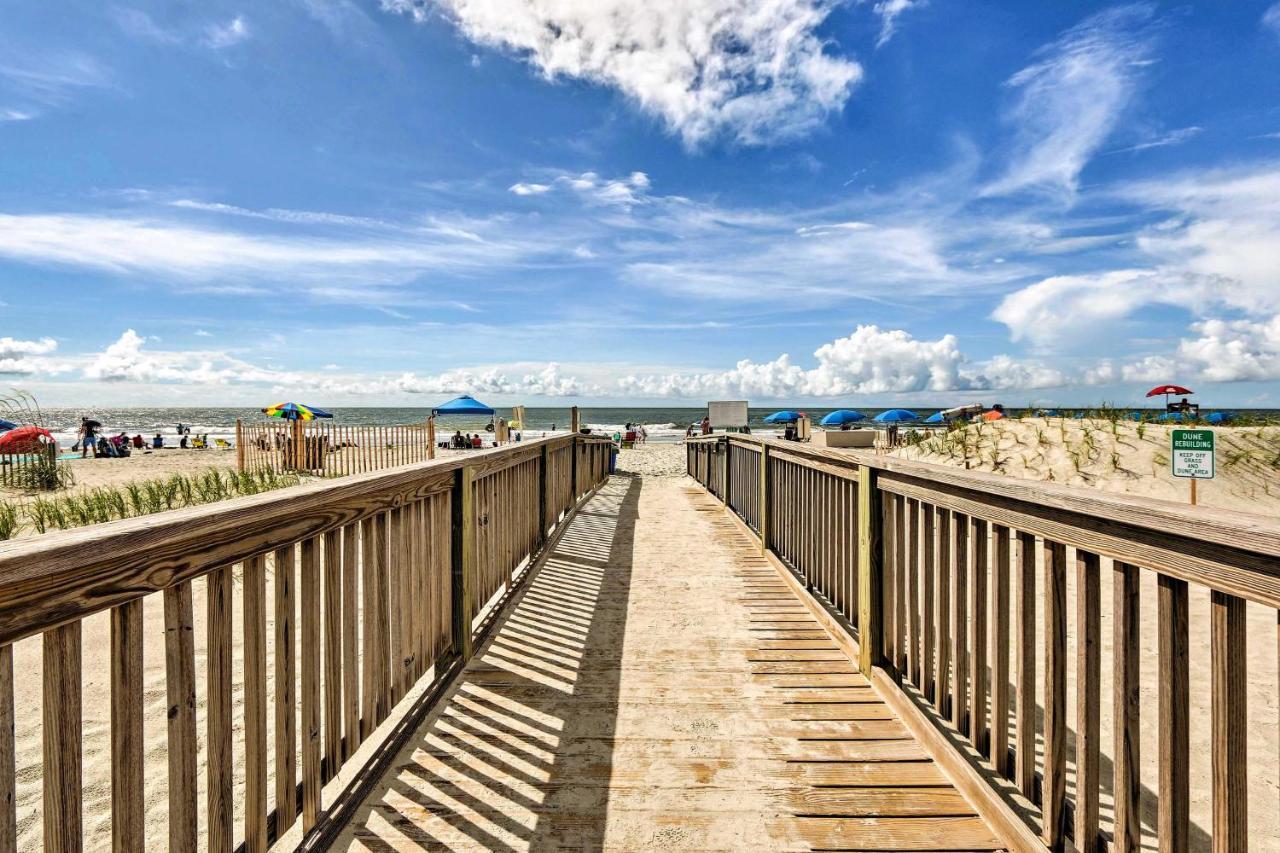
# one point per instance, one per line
(1169, 389)
(23, 439)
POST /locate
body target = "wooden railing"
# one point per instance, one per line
(955, 589)
(326, 448)
(361, 593)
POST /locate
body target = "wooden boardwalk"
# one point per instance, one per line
(656, 685)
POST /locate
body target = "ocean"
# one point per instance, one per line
(661, 423)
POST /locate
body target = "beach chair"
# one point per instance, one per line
(222, 444)
(198, 443)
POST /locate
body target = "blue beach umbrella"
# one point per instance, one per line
(786, 416)
(1219, 417)
(935, 418)
(842, 416)
(896, 416)
(295, 412)
(464, 405)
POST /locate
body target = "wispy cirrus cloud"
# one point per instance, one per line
(227, 34)
(1068, 102)
(1164, 140)
(888, 12)
(754, 72)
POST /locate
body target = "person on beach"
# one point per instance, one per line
(157, 443)
(87, 437)
(477, 442)
(706, 426)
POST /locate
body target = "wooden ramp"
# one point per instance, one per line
(656, 685)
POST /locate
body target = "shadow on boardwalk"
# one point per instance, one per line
(519, 755)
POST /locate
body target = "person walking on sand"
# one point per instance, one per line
(88, 438)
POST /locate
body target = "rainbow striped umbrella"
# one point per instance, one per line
(295, 412)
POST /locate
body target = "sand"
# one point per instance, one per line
(1123, 457)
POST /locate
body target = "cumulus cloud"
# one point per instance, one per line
(1063, 307)
(1234, 350)
(1068, 102)
(523, 188)
(26, 357)
(868, 361)
(752, 70)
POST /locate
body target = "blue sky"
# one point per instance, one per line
(358, 202)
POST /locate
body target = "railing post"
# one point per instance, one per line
(239, 446)
(724, 473)
(431, 437)
(542, 496)
(764, 498)
(870, 563)
(573, 465)
(463, 551)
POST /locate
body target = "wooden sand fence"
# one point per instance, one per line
(13, 465)
(326, 448)
(951, 588)
(381, 586)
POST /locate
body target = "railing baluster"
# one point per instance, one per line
(255, 705)
(960, 624)
(1055, 693)
(8, 756)
(127, 751)
(332, 652)
(180, 682)
(309, 588)
(1175, 697)
(1000, 652)
(1230, 725)
(1127, 785)
(221, 816)
(1024, 615)
(285, 710)
(928, 569)
(977, 642)
(913, 591)
(1088, 698)
(946, 559)
(63, 828)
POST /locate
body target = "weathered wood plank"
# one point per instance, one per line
(999, 752)
(351, 570)
(1175, 696)
(887, 802)
(220, 808)
(1229, 725)
(1088, 698)
(1055, 694)
(901, 834)
(1127, 784)
(309, 586)
(286, 713)
(1024, 618)
(978, 632)
(180, 684)
(255, 705)
(8, 755)
(128, 821)
(63, 829)
(333, 711)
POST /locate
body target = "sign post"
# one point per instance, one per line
(1191, 455)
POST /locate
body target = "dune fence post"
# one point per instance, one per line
(239, 446)
(431, 437)
(575, 423)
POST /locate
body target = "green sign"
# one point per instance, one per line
(1191, 453)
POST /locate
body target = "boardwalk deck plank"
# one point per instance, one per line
(598, 715)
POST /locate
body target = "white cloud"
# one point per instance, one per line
(50, 77)
(22, 358)
(1271, 18)
(201, 333)
(752, 70)
(1172, 137)
(1233, 351)
(12, 348)
(222, 36)
(1067, 103)
(140, 25)
(523, 188)
(889, 10)
(1065, 307)
(16, 115)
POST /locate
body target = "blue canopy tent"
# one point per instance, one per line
(786, 416)
(5, 426)
(935, 418)
(842, 416)
(896, 416)
(464, 405)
